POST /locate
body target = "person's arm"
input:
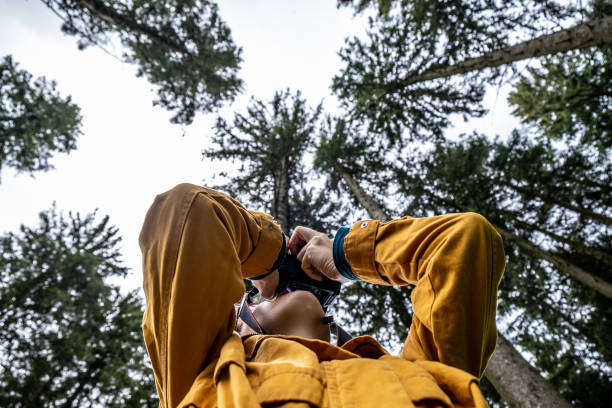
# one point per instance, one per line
(197, 245)
(456, 262)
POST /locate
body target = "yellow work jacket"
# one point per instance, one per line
(199, 244)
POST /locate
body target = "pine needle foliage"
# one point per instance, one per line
(35, 120)
(69, 337)
(183, 47)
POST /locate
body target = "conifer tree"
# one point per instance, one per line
(569, 95)
(183, 47)
(403, 78)
(69, 337)
(271, 141)
(35, 121)
(558, 319)
(508, 371)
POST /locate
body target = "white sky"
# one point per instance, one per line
(129, 151)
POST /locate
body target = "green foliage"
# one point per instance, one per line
(384, 6)
(379, 79)
(269, 142)
(69, 338)
(383, 312)
(35, 121)
(344, 148)
(458, 29)
(317, 209)
(562, 323)
(569, 96)
(181, 46)
(369, 86)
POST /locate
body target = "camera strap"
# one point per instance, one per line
(342, 336)
(246, 314)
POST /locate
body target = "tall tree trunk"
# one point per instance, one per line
(592, 33)
(527, 192)
(578, 246)
(519, 384)
(505, 361)
(588, 279)
(375, 210)
(108, 14)
(283, 196)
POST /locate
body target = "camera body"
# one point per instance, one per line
(292, 277)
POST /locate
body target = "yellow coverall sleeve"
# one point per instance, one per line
(456, 262)
(197, 246)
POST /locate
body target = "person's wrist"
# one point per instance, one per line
(340, 261)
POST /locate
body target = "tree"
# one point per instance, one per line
(402, 78)
(181, 46)
(364, 298)
(560, 321)
(35, 121)
(419, 112)
(346, 158)
(69, 337)
(569, 95)
(458, 29)
(592, 33)
(270, 141)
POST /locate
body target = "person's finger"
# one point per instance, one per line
(300, 236)
(300, 255)
(309, 269)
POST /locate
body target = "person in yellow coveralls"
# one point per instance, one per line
(199, 244)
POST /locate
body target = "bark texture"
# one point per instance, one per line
(553, 200)
(282, 197)
(519, 384)
(372, 207)
(580, 247)
(110, 15)
(586, 278)
(592, 33)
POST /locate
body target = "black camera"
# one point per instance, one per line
(292, 277)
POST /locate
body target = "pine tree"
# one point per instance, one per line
(589, 34)
(553, 316)
(569, 95)
(69, 337)
(508, 371)
(182, 47)
(271, 142)
(35, 121)
(404, 80)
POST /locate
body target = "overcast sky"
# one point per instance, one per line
(129, 151)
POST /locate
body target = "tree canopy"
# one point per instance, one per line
(269, 142)
(35, 120)
(183, 47)
(69, 337)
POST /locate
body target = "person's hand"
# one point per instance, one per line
(316, 254)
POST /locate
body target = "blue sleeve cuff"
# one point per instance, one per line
(277, 263)
(339, 258)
